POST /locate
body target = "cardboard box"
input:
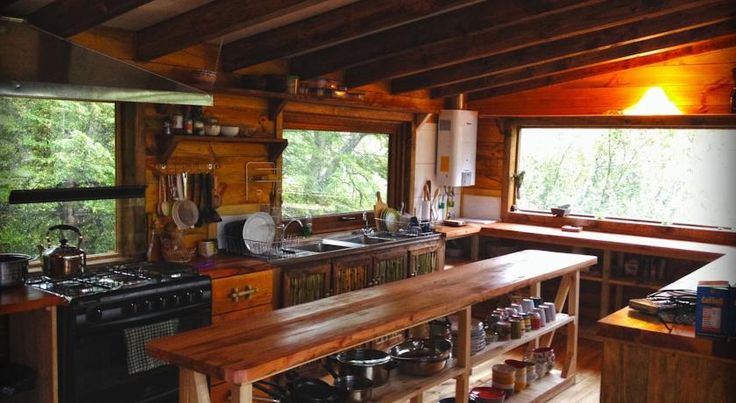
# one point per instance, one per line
(713, 309)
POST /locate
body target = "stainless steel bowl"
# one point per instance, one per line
(375, 365)
(422, 357)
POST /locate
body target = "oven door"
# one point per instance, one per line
(107, 362)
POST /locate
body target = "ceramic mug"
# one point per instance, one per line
(544, 360)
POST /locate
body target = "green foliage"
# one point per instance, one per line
(333, 172)
(52, 143)
(661, 175)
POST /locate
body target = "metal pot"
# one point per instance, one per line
(359, 389)
(375, 365)
(63, 261)
(13, 269)
(422, 357)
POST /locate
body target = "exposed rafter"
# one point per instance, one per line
(567, 47)
(478, 17)
(540, 30)
(70, 17)
(603, 68)
(210, 21)
(607, 59)
(345, 23)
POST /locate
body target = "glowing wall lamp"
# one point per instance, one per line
(653, 102)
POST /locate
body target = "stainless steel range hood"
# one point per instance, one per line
(35, 63)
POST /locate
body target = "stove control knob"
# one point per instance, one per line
(188, 297)
(162, 303)
(198, 295)
(94, 315)
(148, 306)
(174, 300)
(132, 309)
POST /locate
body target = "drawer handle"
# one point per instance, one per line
(246, 293)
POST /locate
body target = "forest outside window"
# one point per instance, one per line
(658, 175)
(57, 144)
(333, 172)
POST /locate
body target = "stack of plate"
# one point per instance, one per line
(390, 218)
(258, 233)
(486, 394)
(477, 337)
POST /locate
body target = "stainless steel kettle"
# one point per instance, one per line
(63, 261)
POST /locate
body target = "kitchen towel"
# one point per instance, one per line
(136, 339)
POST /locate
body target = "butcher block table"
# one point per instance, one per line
(244, 351)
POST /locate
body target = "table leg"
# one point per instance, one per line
(193, 387)
(462, 382)
(241, 393)
(572, 328)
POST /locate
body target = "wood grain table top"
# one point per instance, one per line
(23, 299)
(248, 350)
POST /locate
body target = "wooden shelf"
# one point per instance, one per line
(168, 144)
(402, 387)
(634, 283)
(588, 277)
(498, 348)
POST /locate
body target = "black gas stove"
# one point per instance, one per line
(112, 313)
(116, 279)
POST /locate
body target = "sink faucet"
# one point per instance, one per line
(367, 229)
(285, 227)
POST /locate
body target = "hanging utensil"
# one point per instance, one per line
(216, 196)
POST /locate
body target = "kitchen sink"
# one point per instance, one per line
(320, 247)
(365, 240)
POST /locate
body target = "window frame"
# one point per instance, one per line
(511, 127)
(397, 162)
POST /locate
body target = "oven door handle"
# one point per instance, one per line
(156, 315)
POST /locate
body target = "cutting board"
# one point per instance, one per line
(379, 206)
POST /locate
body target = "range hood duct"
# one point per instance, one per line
(37, 64)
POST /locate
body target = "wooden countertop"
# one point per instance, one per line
(603, 240)
(458, 232)
(628, 325)
(23, 299)
(264, 344)
(224, 265)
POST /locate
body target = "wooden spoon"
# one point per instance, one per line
(165, 204)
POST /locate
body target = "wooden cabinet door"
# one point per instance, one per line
(351, 273)
(425, 259)
(242, 291)
(305, 283)
(390, 266)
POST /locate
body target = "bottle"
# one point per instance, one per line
(307, 229)
(198, 121)
(177, 122)
(188, 122)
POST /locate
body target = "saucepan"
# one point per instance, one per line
(359, 388)
(375, 365)
(13, 269)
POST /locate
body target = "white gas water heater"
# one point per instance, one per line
(457, 134)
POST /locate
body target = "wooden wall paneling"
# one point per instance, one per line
(489, 159)
(696, 84)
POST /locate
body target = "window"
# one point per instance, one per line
(56, 144)
(332, 172)
(659, 175)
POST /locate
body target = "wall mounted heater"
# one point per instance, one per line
(457, 134)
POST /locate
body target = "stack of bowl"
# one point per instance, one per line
(504, 377)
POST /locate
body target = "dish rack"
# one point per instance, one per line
(402, 228)
(235, 243)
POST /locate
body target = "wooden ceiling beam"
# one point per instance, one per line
(671, 45)
(69, 17)
(491, 13)
(541, 30)
(567, 47)
(345, 23)
(535, 82)
(210, 21)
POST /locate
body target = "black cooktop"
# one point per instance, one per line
(113, 278)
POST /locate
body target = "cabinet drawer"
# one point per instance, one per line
(241, 314)
(242, 291)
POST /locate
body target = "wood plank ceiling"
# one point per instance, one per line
(479, 48)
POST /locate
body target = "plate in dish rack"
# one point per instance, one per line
(258, 232)
(391, 219)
